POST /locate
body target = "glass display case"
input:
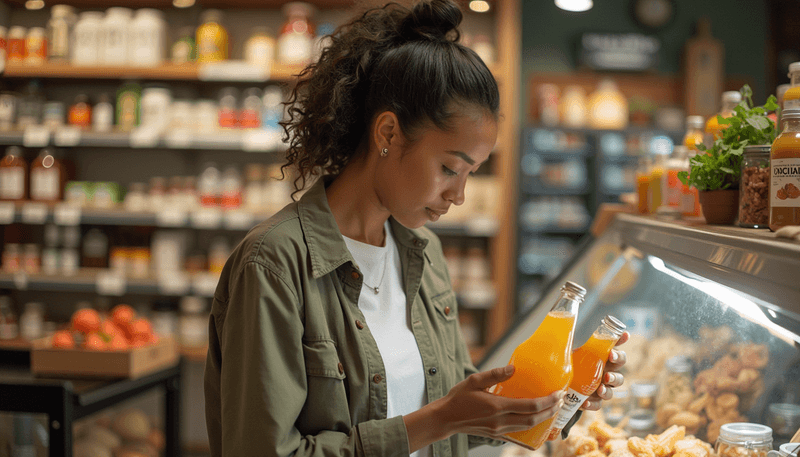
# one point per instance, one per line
(714, 314)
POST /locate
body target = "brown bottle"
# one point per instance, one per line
(13, 175)
(47, 177)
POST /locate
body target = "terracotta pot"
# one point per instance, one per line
(720, 207)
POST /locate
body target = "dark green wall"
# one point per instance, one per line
(550, 35)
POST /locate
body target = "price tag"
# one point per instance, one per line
(171, 218)
(179, 139)
(66, 214)
(111, 283)
(21, 281)
(207, 218)
(34, 213)
(233, 70)
(257, 141)
(7, 213)
(67, 136)
(144, 137)
(238, 220)
(173, 283)
(204, 284)
(36, 136)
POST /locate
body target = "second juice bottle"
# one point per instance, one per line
(543, 362)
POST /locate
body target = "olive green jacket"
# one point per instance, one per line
(292, 367)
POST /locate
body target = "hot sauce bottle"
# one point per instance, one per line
(13, 175)
(80, 113)
(784, 185)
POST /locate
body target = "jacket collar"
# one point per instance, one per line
(325, 242)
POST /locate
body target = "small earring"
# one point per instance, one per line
(384, 152)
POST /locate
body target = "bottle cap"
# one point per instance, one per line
(793, 67)
(62, 11)
(211, 16)
(731, 96)
(745, 433)
(695, 122)
(792, 113)
(119, 11)
(614, 324)
(574, 288)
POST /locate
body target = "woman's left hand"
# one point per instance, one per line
(611, 378)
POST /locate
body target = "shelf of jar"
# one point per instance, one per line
(168, 4)
(227, 71)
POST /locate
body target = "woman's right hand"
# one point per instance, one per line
(469, 407)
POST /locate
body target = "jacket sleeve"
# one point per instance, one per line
(256, 383)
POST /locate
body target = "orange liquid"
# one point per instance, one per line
(542, 365)
(786, 146)
(642, 185)
(673, 189)
(588, 362)
(792, 95)
(714, 128)
(692, 139)
(656, 193)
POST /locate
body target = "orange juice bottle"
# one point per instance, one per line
(588, 362)
(729, 101)
(675, 164)
(657, 183)
(791, 98)
(643, 183)
(543, 362)
(784, 182)
(694, 132)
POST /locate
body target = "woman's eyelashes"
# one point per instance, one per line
(448, 171)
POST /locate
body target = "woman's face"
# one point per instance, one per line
(418, 183)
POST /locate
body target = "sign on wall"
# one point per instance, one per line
(619, 51)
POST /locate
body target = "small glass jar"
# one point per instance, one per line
(678, 380)
(641, 422)
(743, 439)
(31, 322)
(193, 322)
(9, 326)
(643, 395)
(617, 408)
(784, 419)
(754, 187)
(786, 450)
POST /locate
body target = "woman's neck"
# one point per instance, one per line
(355, 206)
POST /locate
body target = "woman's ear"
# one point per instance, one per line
(386, 132)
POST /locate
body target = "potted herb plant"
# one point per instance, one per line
(716, 170)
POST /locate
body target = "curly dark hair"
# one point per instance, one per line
(407, 61)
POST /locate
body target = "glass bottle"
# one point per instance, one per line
(543, 363)
(259, 50)
(208, 185)
(231, 188)
(228, 108)
(80, 113)
(95, 249)
(784, 419)
(30, 106)
(31, 321)
(252, 190)
(694, 132)
(86, 39)
(12, 258)
(212, 38)
(791, 98)
(9, 326)
(129, 98)
(193, 322)
(729, 101)
(103, 115)
(59, 32)
(784, 187)
(184, 49)
(588, 362)
(643, 183)
(13, 175)
(218, 254)
(675, 164)
(296, 41)
(754, 187)
(115, 30)
(250, 115)
(35, 46)
(47, 177)
(743, 439)
(16, 44)
(657, 183)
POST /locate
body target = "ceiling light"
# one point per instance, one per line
(34, 4)
(182, 3)
(575, 5)
(479, 6)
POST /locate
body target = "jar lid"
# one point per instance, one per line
(695, 122)
(614, 324)
(758, 149)
(641, 419)
(574, 288)
(643, 389)
(745, 433)
(149, 13)
(679, 364)
(790, 449)
(732, 96)
(786, 410)
(16, 32)
(62, 10)
(119, 11)
(91, 15)
(792, 113)
(793, 67)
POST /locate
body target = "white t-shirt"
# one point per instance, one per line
(388, 319)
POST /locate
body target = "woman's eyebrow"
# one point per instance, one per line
(463, 156)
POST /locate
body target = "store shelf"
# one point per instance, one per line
(476, 227)
(106, 282)
(548, 191)
(166, 71)
(193, 354)
(167, 4)
(555, 230)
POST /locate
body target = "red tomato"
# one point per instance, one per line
(86, 320)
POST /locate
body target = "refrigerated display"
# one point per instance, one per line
(714, 314)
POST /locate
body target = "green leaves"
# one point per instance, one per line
(719, 166)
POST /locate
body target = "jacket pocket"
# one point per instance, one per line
(322, 359)
(326, 406)
(447, 313)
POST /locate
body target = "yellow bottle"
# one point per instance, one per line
(694, 132)
(729, 101)
(212, 38)
(657, 183)
(791, 99)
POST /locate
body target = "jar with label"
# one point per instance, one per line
(136, 197)
(16, 44)
(193, 322)
(128, 106)
(784, 193)
(80, 113)
(743, 439)
(139, 262)
(207, 113)
(30, 106)
(228, 108)
(231, 189)
(13, 175)
(296, 41)
(53, 115)
(784, 419)
(218, 254)
(59, 31)
(250, 116)
(12, 258)
(156, 101)
(754, 187)
(184, 49)
(147, 38)
(86, 39)
(164, 319)
(8, 110)
(643, 394)
(273, 108)
(209, 185)
(95, 249)
(260, 48)
(212, 38)
(35, 46)
(31, 321)
(103, 114)
(47, 177)
(9, 326)
(31, 259)
(115, 31)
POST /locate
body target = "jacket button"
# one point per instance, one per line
(359, 324)
(377, 378)
(341, 368)
(446, 310)
(433, 370)
(354, 274)
(418, 243)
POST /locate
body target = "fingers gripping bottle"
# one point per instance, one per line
(588, 362)
(543, 362)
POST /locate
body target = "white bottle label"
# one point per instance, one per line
(572, 401)
(44, 184)
(294, 48)
(791, 104)
(785, 183)
(12, 184)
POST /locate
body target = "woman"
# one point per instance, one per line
(334, 328)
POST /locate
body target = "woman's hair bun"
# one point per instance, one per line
(431, 20)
